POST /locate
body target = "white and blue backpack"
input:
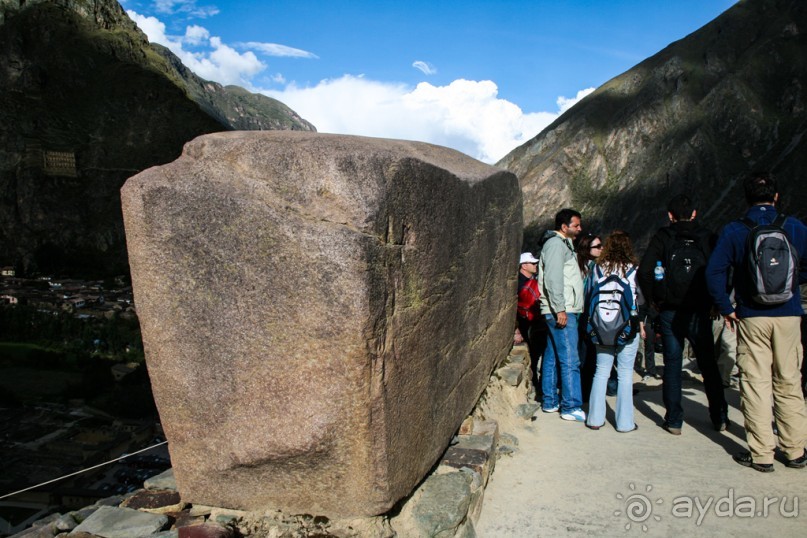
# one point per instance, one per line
(610, 308)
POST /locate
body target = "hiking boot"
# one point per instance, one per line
(744, 459)
(578, 415)
(798, 463)
(671, 429)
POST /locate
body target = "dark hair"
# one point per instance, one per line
(565, 216)
(681, 207)
(583, 250)
(617, 253)
(760, 189)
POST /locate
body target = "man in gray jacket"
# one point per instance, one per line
(561, 286)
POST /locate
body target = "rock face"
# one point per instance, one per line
(695, 118)
(319, 312)
(85, 103)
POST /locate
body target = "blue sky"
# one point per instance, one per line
(480, 76)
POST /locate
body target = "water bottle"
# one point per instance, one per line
(658, 272)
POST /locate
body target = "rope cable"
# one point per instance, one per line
(81, 471)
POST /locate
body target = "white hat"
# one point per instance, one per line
(527, 257)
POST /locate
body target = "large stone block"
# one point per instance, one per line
(319, 312)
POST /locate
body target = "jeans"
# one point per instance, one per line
(562, 350)
(625, 355)
(697, 328)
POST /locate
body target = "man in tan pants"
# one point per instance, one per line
(769, 356)
(767, 318)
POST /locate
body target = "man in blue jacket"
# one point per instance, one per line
(768, 336)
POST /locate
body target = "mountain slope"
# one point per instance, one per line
(695, 118)
(234, 106)
(85, 103)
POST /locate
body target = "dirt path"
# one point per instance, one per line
(567, 480)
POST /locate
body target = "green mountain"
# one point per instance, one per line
(85, 103)
(233, 106)
(696, 118)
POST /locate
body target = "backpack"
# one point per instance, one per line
(686, 258)
(771, 261)
(611, 309)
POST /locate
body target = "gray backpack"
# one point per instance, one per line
(772, 262)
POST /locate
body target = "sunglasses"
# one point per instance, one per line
(598, 245)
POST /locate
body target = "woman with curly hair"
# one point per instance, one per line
(617, 258)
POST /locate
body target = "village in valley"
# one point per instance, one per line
(77, 398)
(82, 298)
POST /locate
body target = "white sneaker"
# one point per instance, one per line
(550, 409)
(578, 415)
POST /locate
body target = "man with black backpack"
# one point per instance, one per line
(671, 274)
(768, 252)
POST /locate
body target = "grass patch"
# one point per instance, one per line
(26, 354)
(28, 385)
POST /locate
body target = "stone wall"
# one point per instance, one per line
(319, 312)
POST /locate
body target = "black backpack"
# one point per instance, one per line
(771, 261)
(685, 259)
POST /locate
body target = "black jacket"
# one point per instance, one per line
(697, 296)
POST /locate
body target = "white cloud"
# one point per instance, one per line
(165, 6)
(219, 62)
(273, 49)
(425, 67)
(151, 26)
(196, 35)
(565, 103)
(227, 65)
(466, 115)
(187, 7)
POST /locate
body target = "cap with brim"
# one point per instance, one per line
(527, 257)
